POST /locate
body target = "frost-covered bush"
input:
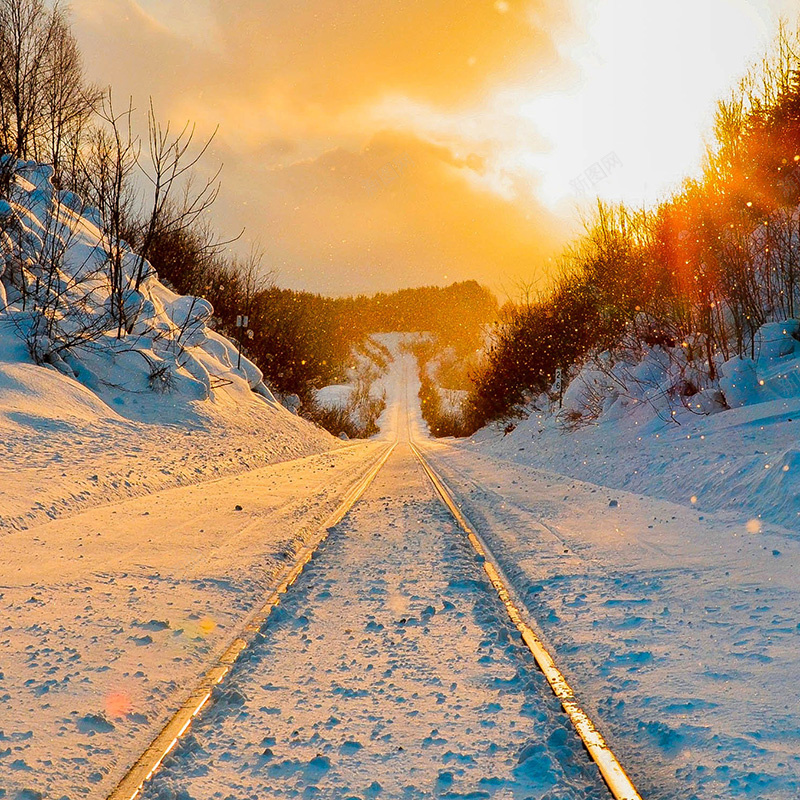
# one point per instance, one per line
(665, 378)
(352, 410)
(59, 294)
(646, 369)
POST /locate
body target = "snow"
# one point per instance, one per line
(655, 552)
(374, 679)
(65, 447)
(125, 562)
(57, 250)
(678, 628)
(93, 425)
(657, 548)
(335, 396)
(109, 615)
(743, 459)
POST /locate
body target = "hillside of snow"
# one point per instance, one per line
(107, 389)
(730, 447)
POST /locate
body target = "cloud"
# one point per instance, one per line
(335, 54)
(193, 20)
(503, 105)
(138, 54)
(399, 212)
(313, 67)
(301, 90)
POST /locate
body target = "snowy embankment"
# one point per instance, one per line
(730, 447)
(109, 389)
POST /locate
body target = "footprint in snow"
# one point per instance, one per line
(30, 794)
(154, 625)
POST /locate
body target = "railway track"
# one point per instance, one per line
(613, 775)
(145, 766)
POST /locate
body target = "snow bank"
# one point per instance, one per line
(335, 396)
(129, 333)
(656, 425)
(92, 410)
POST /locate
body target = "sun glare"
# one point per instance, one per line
(633, 122)
(651, 75)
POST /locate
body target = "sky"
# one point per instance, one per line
(371, 145)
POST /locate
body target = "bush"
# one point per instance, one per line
(358, 419)
(441, 421)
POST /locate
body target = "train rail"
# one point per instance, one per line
(150, 760)
(610, 769)
(617, 780)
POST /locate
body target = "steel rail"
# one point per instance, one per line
(149, 761)
(613, 774)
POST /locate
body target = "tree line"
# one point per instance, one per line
(695, 276)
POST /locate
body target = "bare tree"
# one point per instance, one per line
(170, 159)
(27, 31)
(67, 104)
(110, 159)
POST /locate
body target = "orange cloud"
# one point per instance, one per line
(314, 60)
(335, 54)
(298, 88)
(399, 212)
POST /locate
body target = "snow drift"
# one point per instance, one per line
(649, 421)
(95, 311)
(103, 381)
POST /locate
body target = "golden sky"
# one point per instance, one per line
(375, 144)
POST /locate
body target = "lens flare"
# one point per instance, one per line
(118, 704)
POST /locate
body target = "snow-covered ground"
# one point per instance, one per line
(63, 449)
(389, 671)
(659, 554)
(678, 629)
(113, 608)
(110, 615)
(676, 625)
